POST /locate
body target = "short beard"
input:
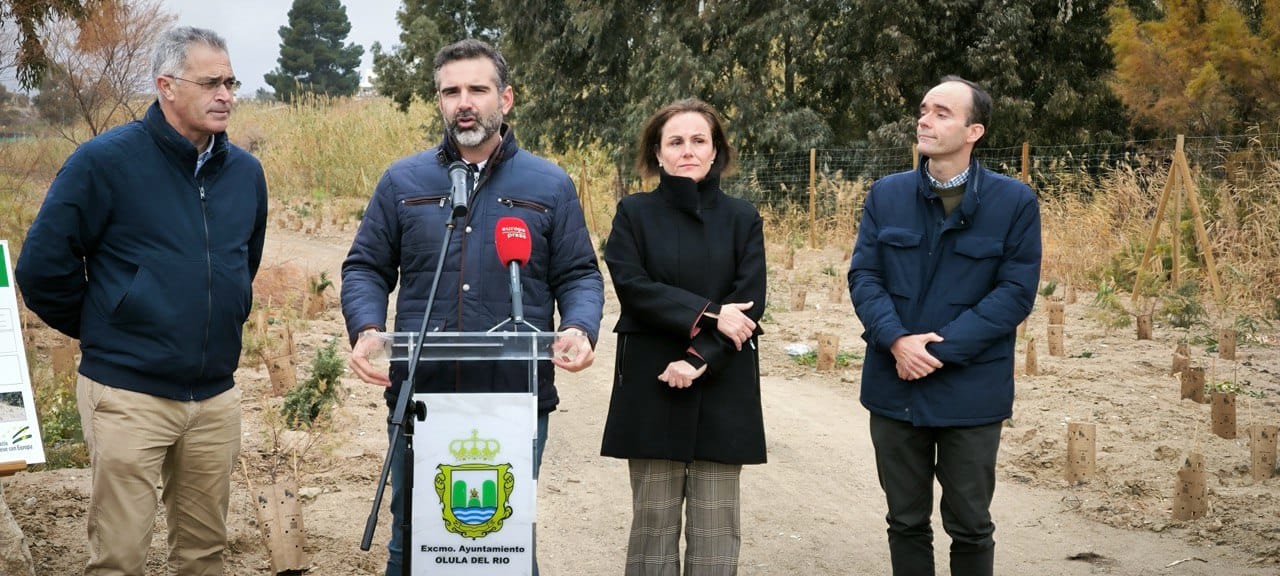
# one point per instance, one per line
(474, 136)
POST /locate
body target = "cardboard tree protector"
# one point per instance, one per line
(1033, 361)
(1189, 496)
(1057, 313)
(828, 347)
(1262, 451)
(1056, 347)
(1144, 326)
(1223, 414)
(1081, 452)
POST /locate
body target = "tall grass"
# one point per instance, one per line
(1100, 234)
(27, 166)
(326, 155)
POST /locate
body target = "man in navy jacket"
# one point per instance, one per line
(946, 266)
(400, 239)
(145, 249)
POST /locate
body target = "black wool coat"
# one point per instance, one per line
(674, 254)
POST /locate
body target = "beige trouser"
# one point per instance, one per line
(708, 493)
(137, 441)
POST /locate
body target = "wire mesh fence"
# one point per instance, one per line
(788, 179)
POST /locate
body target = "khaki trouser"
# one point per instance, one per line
(138, 441)
(708, 494)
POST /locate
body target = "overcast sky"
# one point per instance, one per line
(251, 28)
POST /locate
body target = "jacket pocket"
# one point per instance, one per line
(620, 363)
(900, 237)
(974, 273)
(527, 204)
(147, 301)
(979, 247)
(425, 200)
(899, 255)
(421, 218)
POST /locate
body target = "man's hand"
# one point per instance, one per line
(681, 374)
(913, 360)
(369, 357)
(572, 350)
(734, 324)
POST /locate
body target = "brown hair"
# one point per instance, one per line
(469, 49)
(980, 111)
(651, 137)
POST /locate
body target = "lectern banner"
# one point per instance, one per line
(473, 487)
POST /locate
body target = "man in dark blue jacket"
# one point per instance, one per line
(945, 268)
(405, 222)
(145, 249)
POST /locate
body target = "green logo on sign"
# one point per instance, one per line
(473, 496)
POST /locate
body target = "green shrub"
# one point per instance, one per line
(1108, 310)
(310, 400)
(59, 421)
(1182, 308)
(810, 358)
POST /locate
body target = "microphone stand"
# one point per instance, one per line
(517, 302)
(402, 423)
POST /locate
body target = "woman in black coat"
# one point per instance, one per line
(688, 266)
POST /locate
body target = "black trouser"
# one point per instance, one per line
(964, 461)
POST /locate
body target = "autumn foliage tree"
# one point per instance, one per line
(102, 65)
(1201, 67)
(22, 20)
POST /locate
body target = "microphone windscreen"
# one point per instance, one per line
(511, 236)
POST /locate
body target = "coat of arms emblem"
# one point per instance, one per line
(474, 492)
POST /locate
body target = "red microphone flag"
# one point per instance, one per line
(512, 238)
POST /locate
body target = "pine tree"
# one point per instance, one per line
(425, 27)
(313, 58)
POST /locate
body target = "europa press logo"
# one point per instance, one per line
(473, 493)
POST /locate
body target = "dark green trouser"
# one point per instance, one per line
(964, 460)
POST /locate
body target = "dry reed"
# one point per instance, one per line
(323, 158)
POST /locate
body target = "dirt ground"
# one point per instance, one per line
(816, 507)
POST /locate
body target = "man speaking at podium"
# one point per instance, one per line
(399, 240)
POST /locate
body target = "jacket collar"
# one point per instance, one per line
(448, 150)
(688, 196)
(972, 189)
(175, 145)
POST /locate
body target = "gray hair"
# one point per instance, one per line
(170, 57)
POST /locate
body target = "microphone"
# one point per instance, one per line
(458, 172)
(511, 235)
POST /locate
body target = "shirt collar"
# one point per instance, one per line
(204, 156)
(959, 180)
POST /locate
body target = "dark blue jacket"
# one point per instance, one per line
(150, 265)
(970, 277)
(399, 240)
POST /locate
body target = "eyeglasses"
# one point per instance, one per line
(231, 84)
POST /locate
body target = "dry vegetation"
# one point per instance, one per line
(323, 160)
(324, 157)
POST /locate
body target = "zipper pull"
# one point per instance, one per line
(202, 198)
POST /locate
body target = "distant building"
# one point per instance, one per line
(368, 81)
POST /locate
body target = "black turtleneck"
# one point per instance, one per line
(688, 196)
